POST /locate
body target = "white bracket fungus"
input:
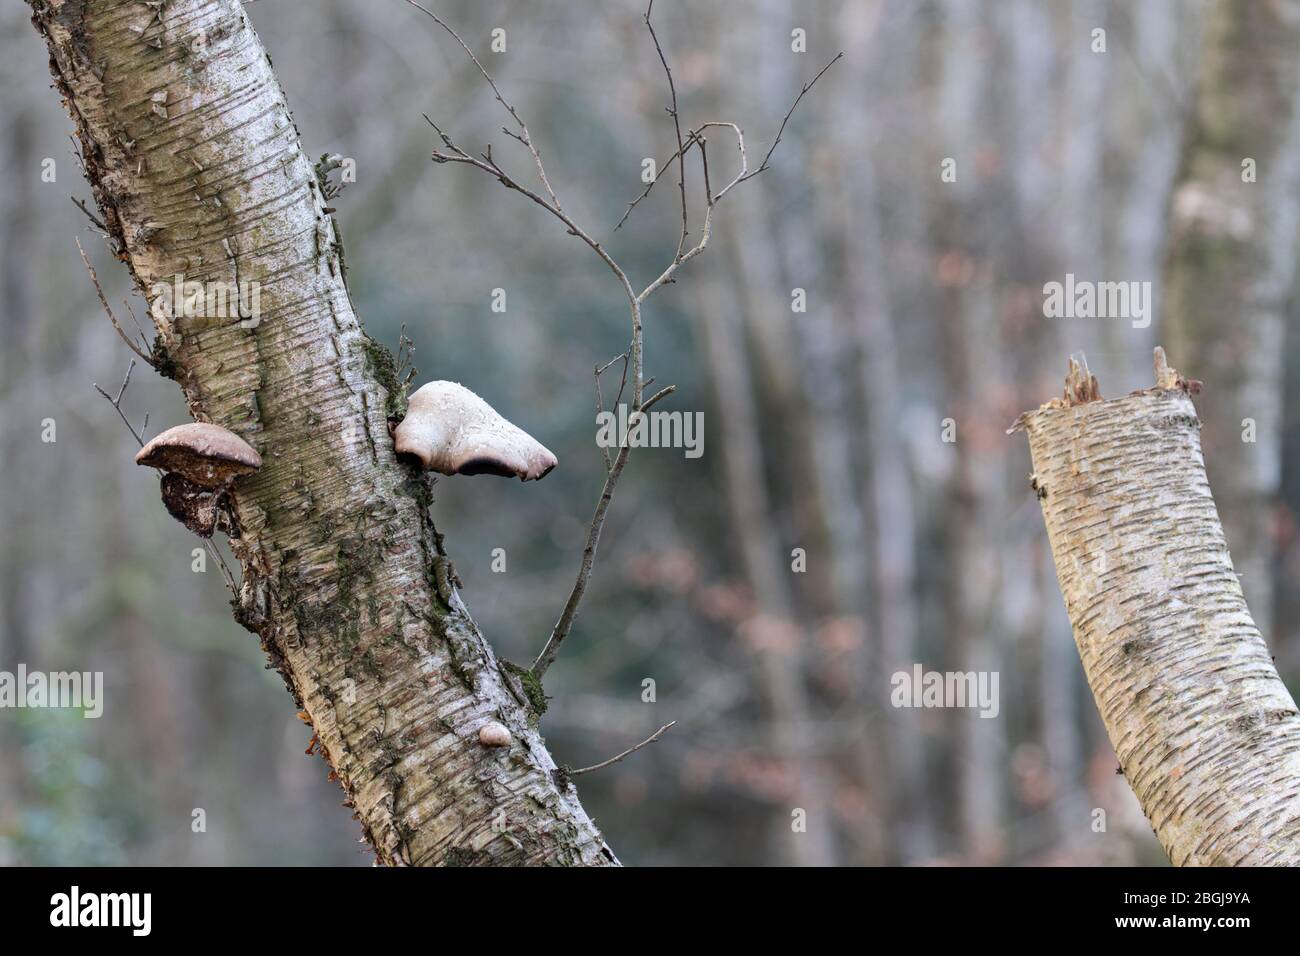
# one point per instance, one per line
(454, 432)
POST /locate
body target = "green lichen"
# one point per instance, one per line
(531, 685)
(383, 369)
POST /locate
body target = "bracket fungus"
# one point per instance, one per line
(199, 462)
(454, 432)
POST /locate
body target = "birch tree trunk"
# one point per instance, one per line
(1206, 733)
(197, 170)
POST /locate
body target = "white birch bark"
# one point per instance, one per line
(1207, 735)
(197, 169)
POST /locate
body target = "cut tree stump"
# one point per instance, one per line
(1206, 733)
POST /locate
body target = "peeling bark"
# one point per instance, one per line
(197, 170)
(1206, 733)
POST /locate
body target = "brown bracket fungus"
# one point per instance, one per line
(199, 462)
(454, 432)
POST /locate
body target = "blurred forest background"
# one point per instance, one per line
(823, 429)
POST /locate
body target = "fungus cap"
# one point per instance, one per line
(205, 454)
(494, 734)
(454, 432)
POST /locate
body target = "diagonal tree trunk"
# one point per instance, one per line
(197, 170)
(1206, 733)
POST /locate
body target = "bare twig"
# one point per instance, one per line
(139, 330)
(99, 291)
(117, 405)
(523, 136)
(600, 409)
(488, 165)
(626, 753)
(89, 215)
(677, 126)
(633, 358)
(649, 186)
(693, 139)
(790, 112)
(570, 612)
(116, 402)
(653, 399)
(704, 162)
(405, 358)
(626, 356)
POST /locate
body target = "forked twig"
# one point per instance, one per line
(523, 136)
(634, 356)
(117, 405)
(94, 220)
(677, 126)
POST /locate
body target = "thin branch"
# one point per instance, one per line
(226, 573)
(99, 291)
(790, 112)
(523, 136)
(693, 139)
(600, 400)
(621, 356)
(117, 405)
(633, 358)
(139, 330)
(488, 165)
(651, 185)
(405, 359)
(622, 384)
(662, 393)
(677, 126)
(626, 753)
(600, 410)
(668, 274)
(704, 162)
(567, 616)
(80, 204)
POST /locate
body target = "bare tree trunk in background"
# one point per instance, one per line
(970, 354)
(1138, 247)
(807, 385)
(1030, 65)
(1207, 735)
(1079, 250)
(197, 170)
(18, 295)
(1232, 261)
(885, 484)
(775, 633)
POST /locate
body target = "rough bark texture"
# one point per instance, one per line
(197, 170)
(1206, 733)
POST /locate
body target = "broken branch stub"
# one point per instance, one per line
(1206, 733)
(454, 432)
